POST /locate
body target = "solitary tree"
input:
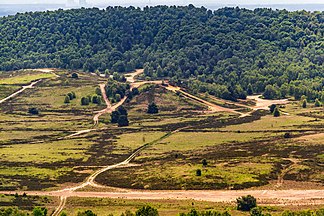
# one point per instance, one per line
(198, 172)
(276, 112)
(204, 162)
(33, 111)
(246, 203)
(84, 101)
(75, 76)
(95, 99)
(272, 107)
(304, 103)
(152, 108)
(67, 99)
(123, 121)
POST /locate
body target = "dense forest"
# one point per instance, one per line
(229, 53)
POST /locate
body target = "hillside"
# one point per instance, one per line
(228, 53)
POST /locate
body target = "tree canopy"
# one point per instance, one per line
(230, 52)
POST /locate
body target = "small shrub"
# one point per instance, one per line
(74, 76)
(147, 211)
(276, 112)
(152, 108)
(33, 111)
(272, 107)
(67, 99)
(246, 203)
(287, 135)
(204, 162)
(198, 172)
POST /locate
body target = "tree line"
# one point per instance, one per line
(230, 52)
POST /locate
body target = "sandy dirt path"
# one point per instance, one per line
(283, 197)
(108, 104)
(263, 103)
(31, 85)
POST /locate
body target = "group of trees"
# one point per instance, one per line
(69, 96)
(230, 52)
(120, 116)
(95, 99)
(116, 90)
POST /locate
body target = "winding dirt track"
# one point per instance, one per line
(107, 109)
(20, 91)
(291, 197)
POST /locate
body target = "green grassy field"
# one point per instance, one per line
(25, 79)
(241, 152)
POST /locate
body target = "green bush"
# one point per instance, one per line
(147, 211)
(246, 203)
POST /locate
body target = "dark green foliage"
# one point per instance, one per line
(117, 97)
(75, 76)
(38, 211)
(198, 172)
(304, 103)
(194, 212)
(85, 101)
(89, 98)
(257, 211)
(271, 92)
(67, 99)
(246, 203)
(123, 121)
(152, 108)
(33, 111)
(116, 90)
(276, 112)
(86, 213)
(114, 117)
(204, 162)
(73, 95)
(319, 212)
(122, 110)
(317, 103)
(96, 99)
(70, 95)
(272, 107)
(135, 91)
(128, 213)
(120, 116)
(147, 211)
(228, 53)
(63, 214)
(98, 91)
(287, 135)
